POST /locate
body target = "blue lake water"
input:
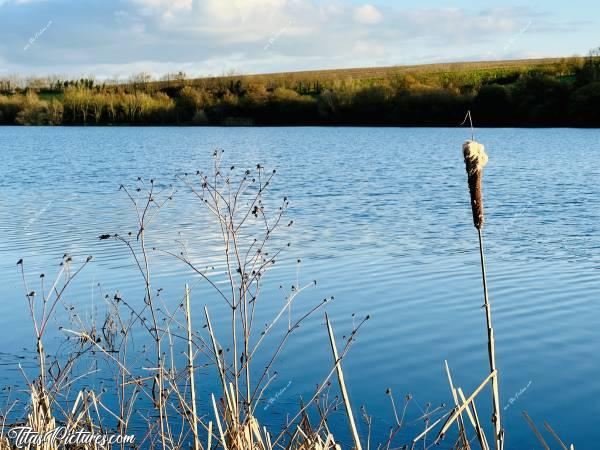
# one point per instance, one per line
(381, 220)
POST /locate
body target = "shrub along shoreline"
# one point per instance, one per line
(545, 93)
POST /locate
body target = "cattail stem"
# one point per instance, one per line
(498, 432)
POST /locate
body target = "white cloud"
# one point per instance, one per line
(176, 4)
(18, 2)
(234, 10)
(242, 22)
(371, 49)
(367, 14)
(213, 36)
(166, 8)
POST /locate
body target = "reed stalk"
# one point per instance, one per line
(555, 436)
(191, 369)
(475, 421)
(340, 375)
(461, 424)
(458, 410)
(535, 431)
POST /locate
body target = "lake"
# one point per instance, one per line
(381, 220)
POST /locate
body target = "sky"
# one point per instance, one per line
(119, 38)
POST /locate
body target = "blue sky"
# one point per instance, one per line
(118, 38)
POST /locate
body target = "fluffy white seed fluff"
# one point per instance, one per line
(475, 156)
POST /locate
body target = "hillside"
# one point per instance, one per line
(465, 71)
(538, 92)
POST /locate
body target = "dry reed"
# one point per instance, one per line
(248, 226)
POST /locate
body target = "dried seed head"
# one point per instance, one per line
(475, 160)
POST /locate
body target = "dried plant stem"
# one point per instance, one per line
(555, 436)
(191, 368)
(155, 374)
(498, 432)
(145, 270)
(459, 410)
(427, 430)
(461, 424)
(221, 434)
(475, 420)
(535, 430)
(231, 419)
(209, 438)
(340, 375)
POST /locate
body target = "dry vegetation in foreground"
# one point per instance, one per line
(174, 415)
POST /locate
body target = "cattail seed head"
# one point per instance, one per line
(475, 160)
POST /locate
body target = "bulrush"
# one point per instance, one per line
(475, 160)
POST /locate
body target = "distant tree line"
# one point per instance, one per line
(564, 93)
